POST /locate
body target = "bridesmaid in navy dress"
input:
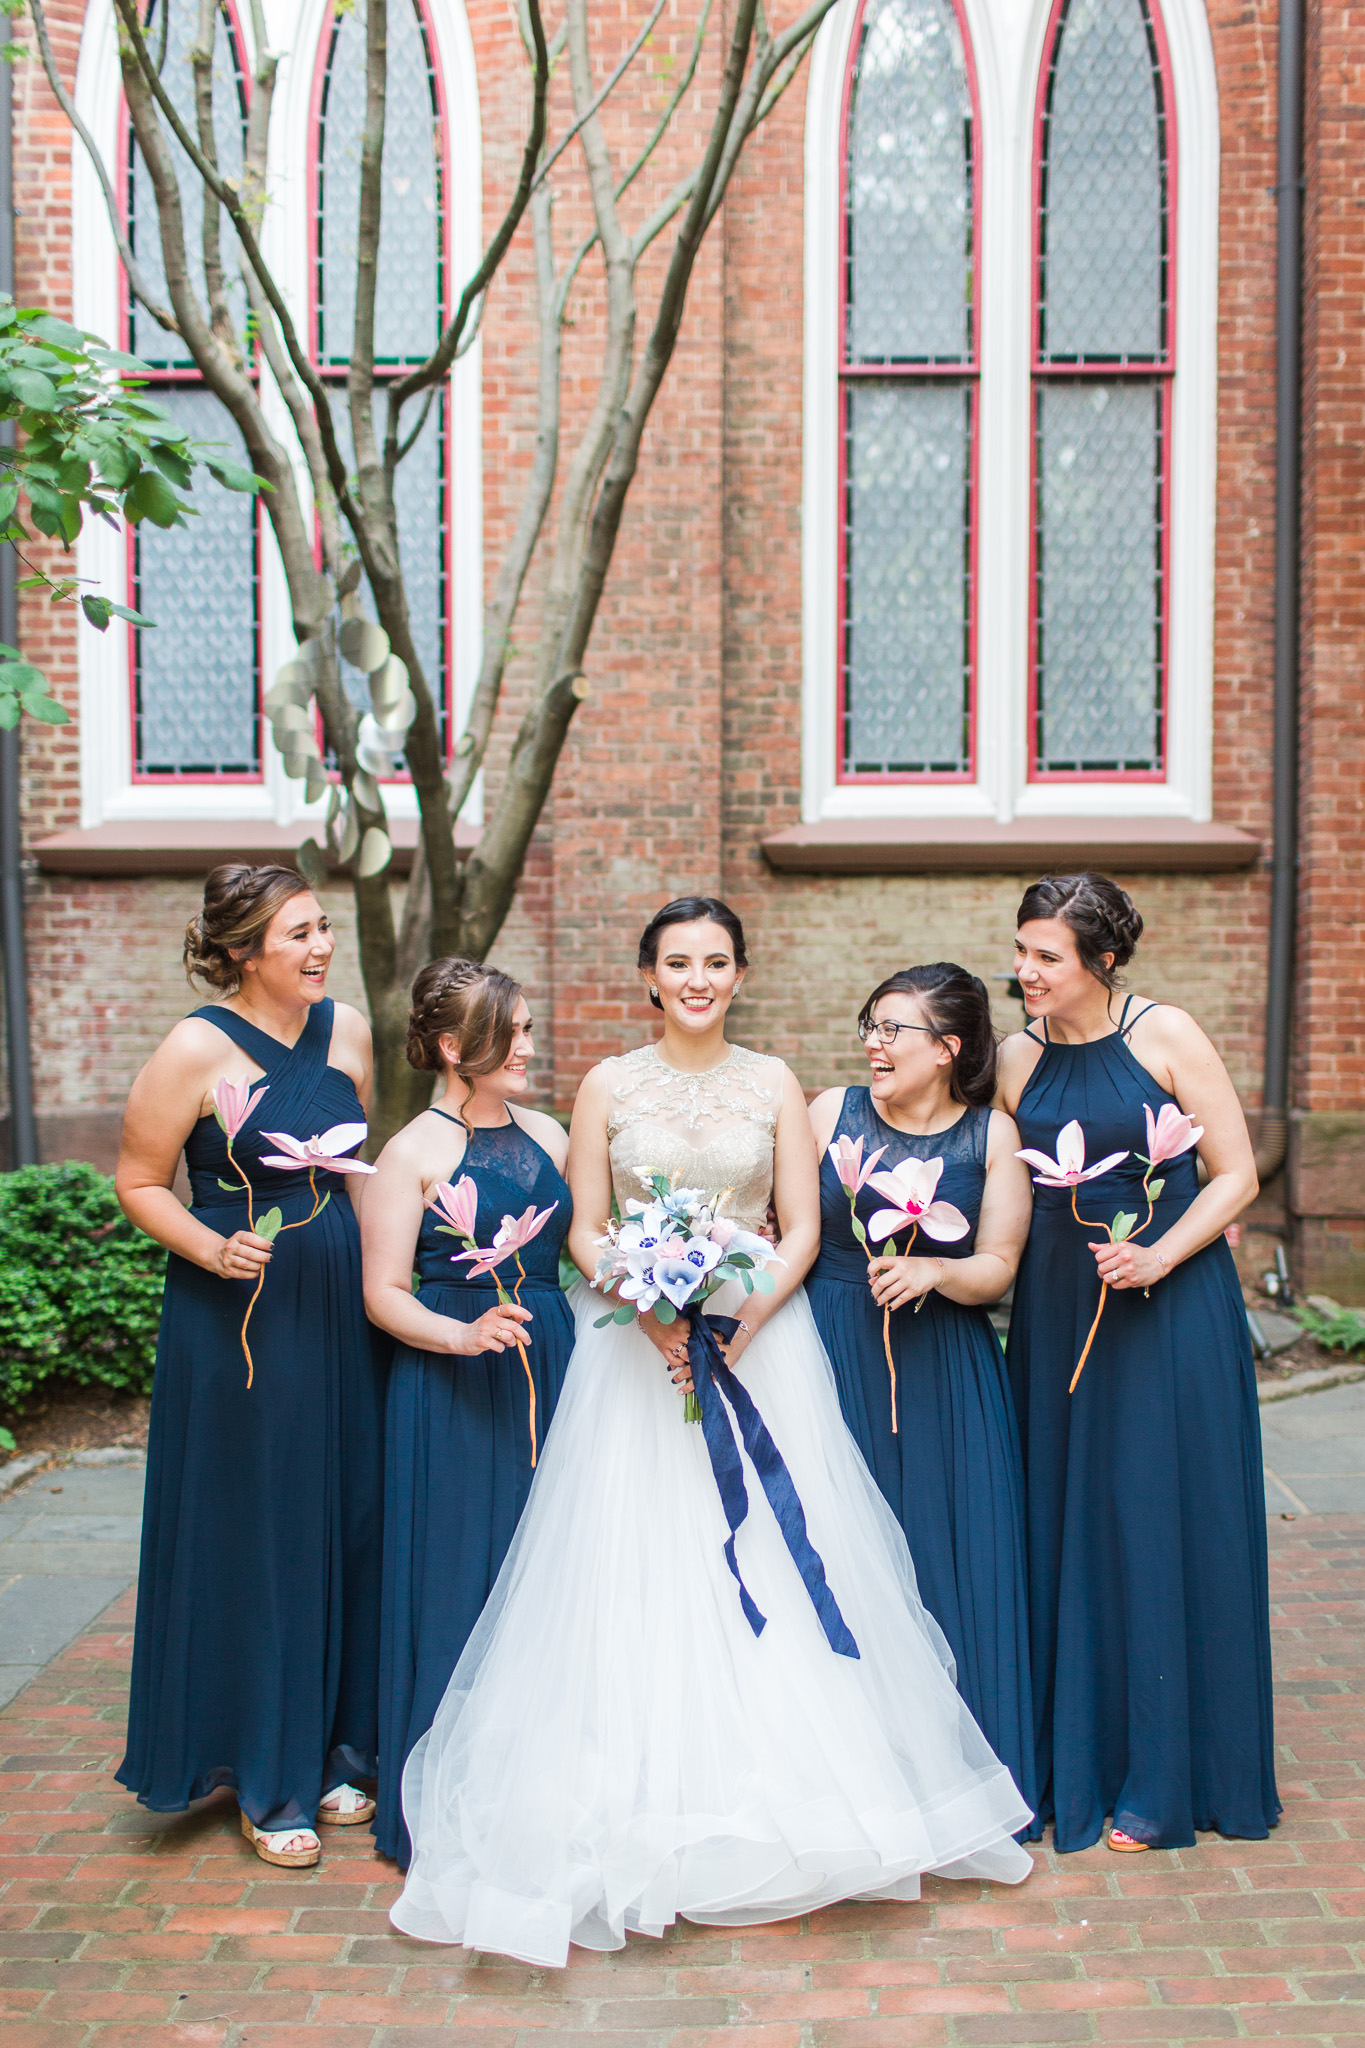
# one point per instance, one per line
(950, 1470)
(258, 1600)
(463, 1431)
(1146, 1507)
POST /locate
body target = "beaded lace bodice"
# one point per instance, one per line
(714, 1130)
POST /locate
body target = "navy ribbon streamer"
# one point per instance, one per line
(712, 1377)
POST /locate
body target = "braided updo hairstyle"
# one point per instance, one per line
(1101, 917)
(956, 1005)
(466, 1001)
(239, 903)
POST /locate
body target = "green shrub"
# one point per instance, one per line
(80, 1288)
(1338, 1328)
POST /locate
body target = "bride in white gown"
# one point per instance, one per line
(617, 1746)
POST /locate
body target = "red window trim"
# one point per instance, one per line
(966, 372)
(335, 373)
(141, 779)
(1158, 370)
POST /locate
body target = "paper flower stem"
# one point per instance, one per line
(251, 1226)
(526, 1363)
(1104, 1284)
(861, 1236)
(1104, 1290)
(317, 1204)
(246, 1183)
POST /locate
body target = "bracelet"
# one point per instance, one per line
(1160, 1257)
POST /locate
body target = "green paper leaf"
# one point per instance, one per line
(859, 1232)
(322, 1205)
(1154, 1188)
(740, 1259)
(1121, 1226)
(230, 1187)
(723, 1273)
(665, 1312)
(602, 1322)
(270, 1225)
(624, 1314)
(748, 1280)
(764, 1283)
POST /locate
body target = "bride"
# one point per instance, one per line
(617, 1745)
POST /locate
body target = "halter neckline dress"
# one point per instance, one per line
(1145, 1499)
(458, 1448)
(951, 1474)
(257, 1631)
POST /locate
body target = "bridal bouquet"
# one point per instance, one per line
(676, 1251)
(1169, 1134)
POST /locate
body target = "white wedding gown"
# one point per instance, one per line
(616, 1747)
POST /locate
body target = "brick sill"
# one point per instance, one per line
(192, 847)
(921, 846)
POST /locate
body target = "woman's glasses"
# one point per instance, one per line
(887, 1033)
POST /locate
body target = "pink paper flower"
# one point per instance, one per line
(515, 1232)
(458, 1204)
(1068, 1169)
(233, 1103)
(846, 1155)
(1170, 1133)
(327, 1150)
(911, 1187)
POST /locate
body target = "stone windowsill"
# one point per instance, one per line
(192, 847)
(919, 846)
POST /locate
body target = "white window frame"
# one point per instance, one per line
(1008, 38)
(108, 791)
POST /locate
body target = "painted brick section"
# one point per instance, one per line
(122, 1927)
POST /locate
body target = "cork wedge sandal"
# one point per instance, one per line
(345, 1807)
(268, 1845)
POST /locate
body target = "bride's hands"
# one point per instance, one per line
(670, 1340)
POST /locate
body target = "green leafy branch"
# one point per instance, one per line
(81, 436)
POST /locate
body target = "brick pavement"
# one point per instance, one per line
(119, 1929)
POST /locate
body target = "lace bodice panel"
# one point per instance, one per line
(714, 1130)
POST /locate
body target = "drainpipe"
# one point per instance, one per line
(1284, 868)
(23, 1135)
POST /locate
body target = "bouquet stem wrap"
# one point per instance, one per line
(712, 1379)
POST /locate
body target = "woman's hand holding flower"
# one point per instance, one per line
(670, 1339)
(243, 1256)
(1127, 1264)
(497, 1329)
(897, 1282)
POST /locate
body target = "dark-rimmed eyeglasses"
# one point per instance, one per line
(887, 1033)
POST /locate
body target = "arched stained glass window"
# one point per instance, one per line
(195, 675)
(908, 393)
(410, 293)
(1102, 391)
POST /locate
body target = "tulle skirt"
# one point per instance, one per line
(616, 1747)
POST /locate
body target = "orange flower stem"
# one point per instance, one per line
(241, 1175)
(1104, 1284)
(526, 1363)
(1104, 1289)
(861, 1234)
(260, 1282)
(317, 1204)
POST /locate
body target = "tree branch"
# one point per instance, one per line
(201, 63)
(617, 75)
(132, 270)
(439, 362)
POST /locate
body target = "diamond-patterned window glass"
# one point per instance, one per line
(907, 702)
(1102, 259)
(410, 287)
(420, 500)
(909, 187)
(195, 673)
(172, 28)
(1099, 595)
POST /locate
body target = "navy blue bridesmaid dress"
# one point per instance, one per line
(257, 1629)
(1146, 1504)
(951, 1474)
(458, 1450)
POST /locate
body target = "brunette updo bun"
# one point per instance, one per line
(958, 1006)
(466, 1001)
(1101, 917)
(239, 903)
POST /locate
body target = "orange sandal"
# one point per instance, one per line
(1126, 1845)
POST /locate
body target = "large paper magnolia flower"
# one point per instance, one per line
(326, 1150)
(911, 1187)
(1068, 1169)
(233, 1103)
(846, 1155)
(458, 1204)
(1170, 1133)
(515, 1231)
